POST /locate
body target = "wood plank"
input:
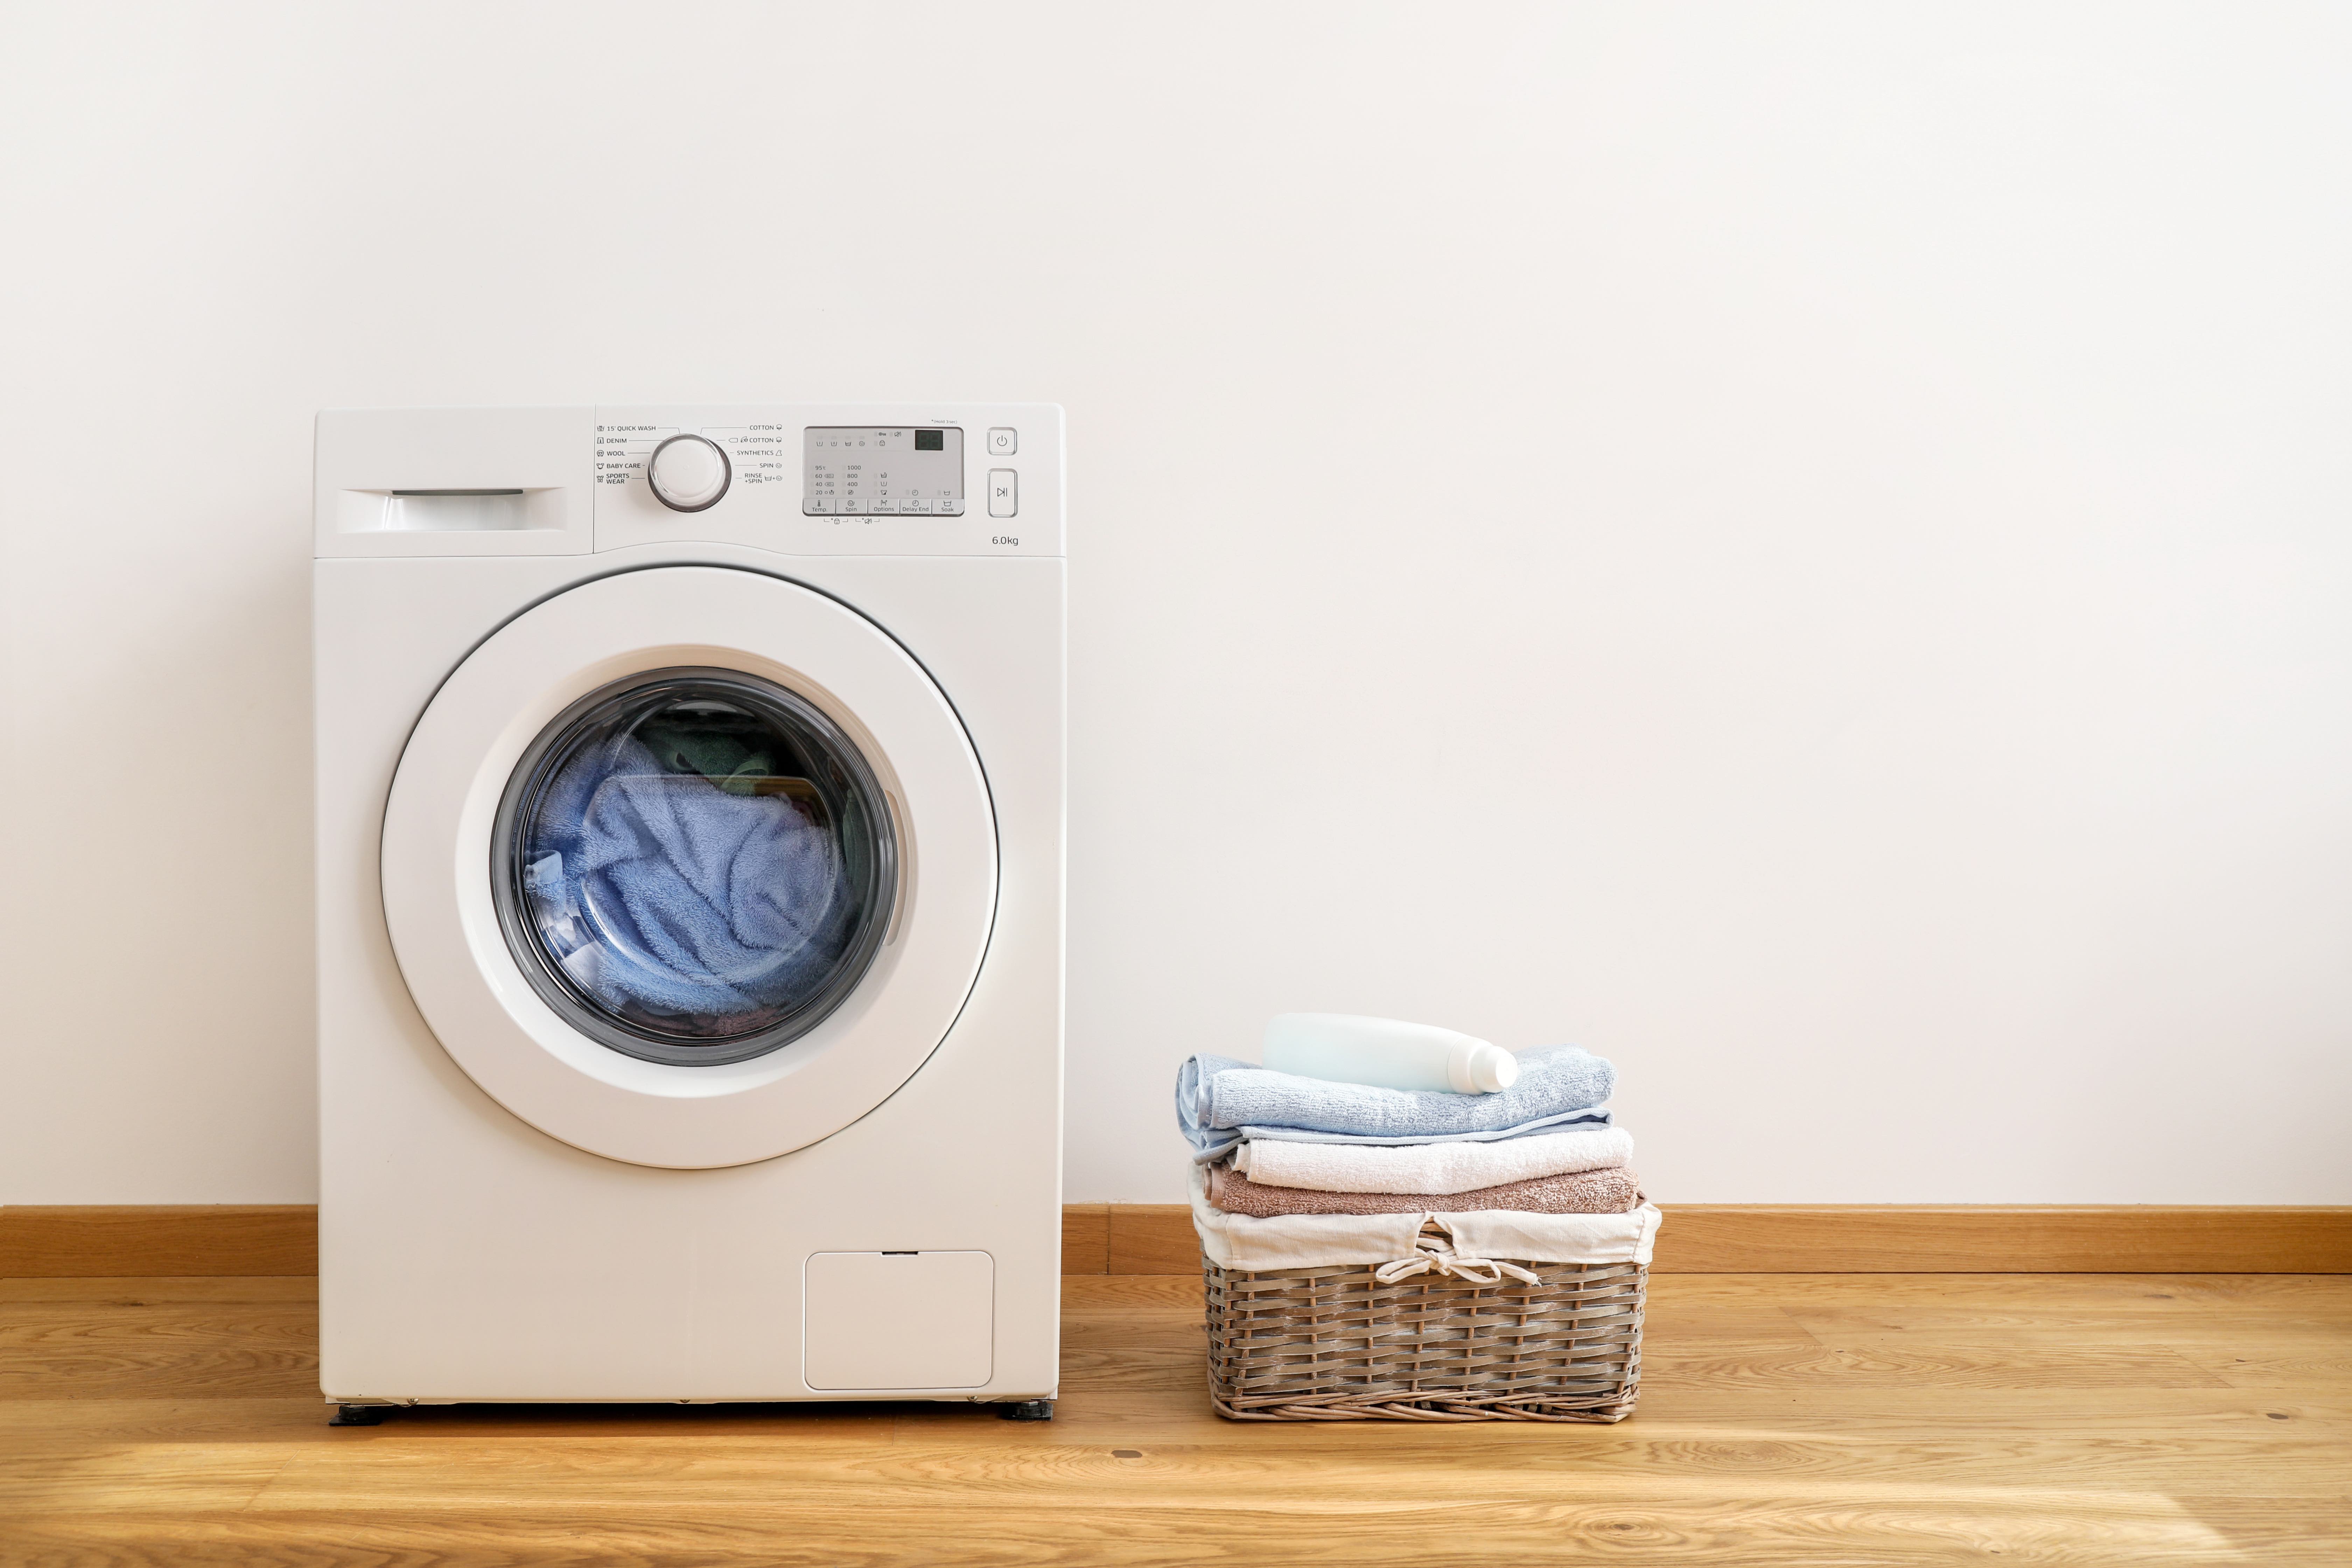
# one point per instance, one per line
(1952, 1300)
(2294, 1362)
(86, 1239)
(1773, 1364)
(1881, 1423)
(1136, 1525)
(529, 1538)
(1144, 1291)
(280, 1239)
(93, 1351)
(944, 1470)
(1086, 1238)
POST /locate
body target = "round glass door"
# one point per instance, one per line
(694, 866)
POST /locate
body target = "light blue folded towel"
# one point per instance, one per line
(1221, 1101)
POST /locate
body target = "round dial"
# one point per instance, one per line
(688, 473)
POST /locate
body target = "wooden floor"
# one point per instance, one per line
(1784, 1419)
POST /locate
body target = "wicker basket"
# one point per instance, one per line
(1336, 1344)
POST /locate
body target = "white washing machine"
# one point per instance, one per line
(689, 904)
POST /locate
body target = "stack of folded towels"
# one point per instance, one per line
(1271, 1144)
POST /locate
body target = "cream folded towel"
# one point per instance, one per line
(1438, 1168)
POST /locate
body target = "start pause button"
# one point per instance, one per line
(1003, 495)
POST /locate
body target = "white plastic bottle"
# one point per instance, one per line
(1386, 1053)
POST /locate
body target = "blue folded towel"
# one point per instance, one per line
(1221, 1101)
(696, 900)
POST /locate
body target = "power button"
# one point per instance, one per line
(1003, 442)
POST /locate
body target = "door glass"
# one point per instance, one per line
(694, 866)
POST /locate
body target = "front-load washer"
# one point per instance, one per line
(689, 813)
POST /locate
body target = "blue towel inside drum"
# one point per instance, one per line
(708, 901)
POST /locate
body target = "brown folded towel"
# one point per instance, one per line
(1614, 1191)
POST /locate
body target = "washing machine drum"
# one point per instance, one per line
(690, 866)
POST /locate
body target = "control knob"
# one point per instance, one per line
(688, 473)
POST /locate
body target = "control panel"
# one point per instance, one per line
(906, 472)
(945, 480)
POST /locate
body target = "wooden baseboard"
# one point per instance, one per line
(158, 1239)
(1884, 1239)
(1157, 1238)
(1956, 1238)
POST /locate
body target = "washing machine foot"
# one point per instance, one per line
(359, 1414)
(1026, 1410)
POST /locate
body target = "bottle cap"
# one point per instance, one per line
(1477, 1067)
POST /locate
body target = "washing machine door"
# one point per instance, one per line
(690, 866)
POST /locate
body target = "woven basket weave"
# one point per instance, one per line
(1336, 1344)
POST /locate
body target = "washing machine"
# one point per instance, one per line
(690, 816)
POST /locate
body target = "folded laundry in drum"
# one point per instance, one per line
(1615, 1190)
(718, 896)
(1430, 1168)
(1218, 1097)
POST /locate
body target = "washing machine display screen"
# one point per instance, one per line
(694, 866)
(898, 471)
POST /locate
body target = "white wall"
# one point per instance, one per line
(1805, 548)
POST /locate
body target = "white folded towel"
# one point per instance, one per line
(1434, 1168)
